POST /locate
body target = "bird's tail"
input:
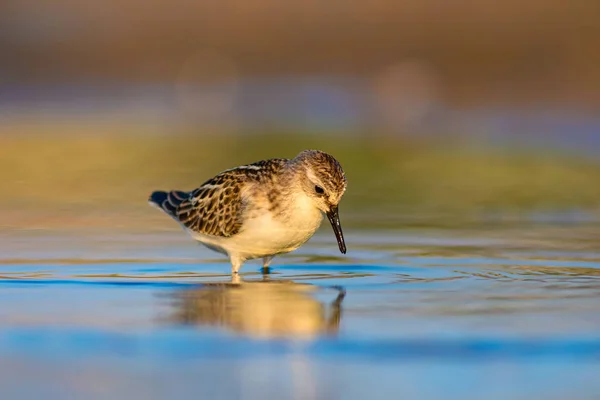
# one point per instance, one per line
(168, 201)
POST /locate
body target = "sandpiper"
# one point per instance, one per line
(262, 209)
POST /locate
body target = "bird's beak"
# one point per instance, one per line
(334, 219)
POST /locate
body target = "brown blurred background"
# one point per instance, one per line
(481, 104)
(477, 52)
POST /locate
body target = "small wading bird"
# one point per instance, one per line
(262, 209)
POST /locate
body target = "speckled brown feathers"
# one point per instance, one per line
(216, 207)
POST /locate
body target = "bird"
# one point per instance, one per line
(263, 209)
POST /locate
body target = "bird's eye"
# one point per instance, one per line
(319, 190)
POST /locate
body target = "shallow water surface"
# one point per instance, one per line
(496, 313)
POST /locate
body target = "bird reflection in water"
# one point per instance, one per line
(260, 309)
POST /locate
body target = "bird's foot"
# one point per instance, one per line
(265, 270)
(236, 279)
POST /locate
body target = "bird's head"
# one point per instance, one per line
(324, 182)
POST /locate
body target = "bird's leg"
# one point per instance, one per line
(236, 264)
(266, 262)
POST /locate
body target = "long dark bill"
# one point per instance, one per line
(334, 219)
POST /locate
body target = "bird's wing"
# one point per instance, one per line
(216, 207)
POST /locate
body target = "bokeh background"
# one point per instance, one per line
(441, 112)
(470, 135)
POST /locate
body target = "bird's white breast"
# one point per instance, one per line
(266, 233)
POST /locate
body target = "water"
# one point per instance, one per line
(486, 312)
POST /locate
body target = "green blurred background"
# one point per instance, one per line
(440, 112)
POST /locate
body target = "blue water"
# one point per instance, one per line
(506, 313)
